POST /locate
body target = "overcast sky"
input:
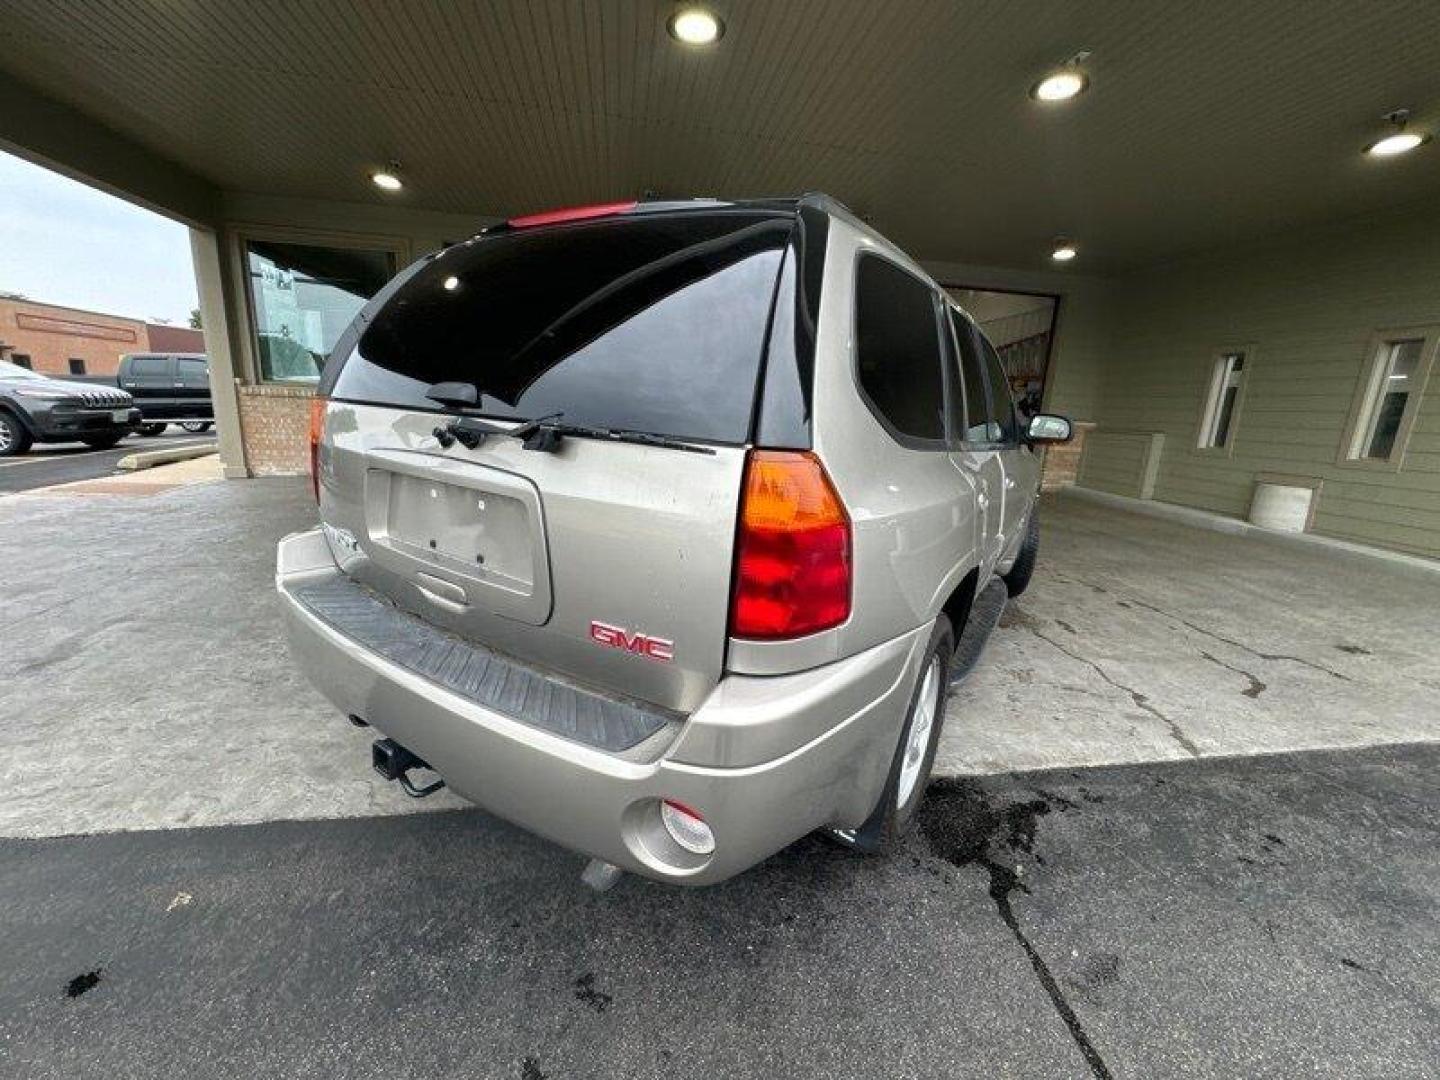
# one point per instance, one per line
(66, 243)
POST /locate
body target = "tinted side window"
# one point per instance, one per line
(898, 348)
(977, 428)
(150, 365)
(193, 370)
(1002, 407)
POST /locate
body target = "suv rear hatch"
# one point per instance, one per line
(606, 562)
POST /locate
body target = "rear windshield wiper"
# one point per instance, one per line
(543, 433)
(470, 431)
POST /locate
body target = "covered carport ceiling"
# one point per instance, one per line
(1205, 122)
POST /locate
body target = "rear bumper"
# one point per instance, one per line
(604, 804)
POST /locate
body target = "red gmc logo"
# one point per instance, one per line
(617, 637)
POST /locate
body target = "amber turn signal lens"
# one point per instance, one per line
(317, 433)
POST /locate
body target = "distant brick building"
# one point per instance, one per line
(69, 341)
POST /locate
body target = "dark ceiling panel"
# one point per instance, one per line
(1205, 122)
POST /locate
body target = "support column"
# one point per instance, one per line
(219, 347)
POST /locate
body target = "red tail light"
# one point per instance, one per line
(317, 432)
(574, 213)
(792, 552)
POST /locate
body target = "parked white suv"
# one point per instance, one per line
(652, 528)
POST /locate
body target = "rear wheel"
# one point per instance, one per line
(14, 439)
(1019, 576)
(195, 427)
(152, 429)
(914, 757)
(102, 442)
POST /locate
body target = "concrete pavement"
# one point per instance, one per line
(148, 684)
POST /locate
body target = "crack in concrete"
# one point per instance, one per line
(1141, 701)
(1287, 657)
(1256, 687)
(70, 646)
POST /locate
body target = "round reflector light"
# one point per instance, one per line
(686, 827)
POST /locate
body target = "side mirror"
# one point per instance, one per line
(1048, 428)
(455, 394)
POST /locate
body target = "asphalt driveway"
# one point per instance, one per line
(1259, 917)
(62, 463)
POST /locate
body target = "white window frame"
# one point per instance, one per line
(1370, 392)
(1215, 387)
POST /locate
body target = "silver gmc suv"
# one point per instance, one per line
(661, 529)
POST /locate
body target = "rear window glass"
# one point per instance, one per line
(645, 324)
(898, 348)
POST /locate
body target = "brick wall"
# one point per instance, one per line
(275, 424)
(1062, 462)
(49, 336)
(162, 338)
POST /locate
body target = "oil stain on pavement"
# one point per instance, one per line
(81, 984)
(964, 828)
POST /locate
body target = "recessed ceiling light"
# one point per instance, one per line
(1402, 142)
(695, 26)
(1398, 141)
(1064, 251)
(451, 283)
(1067, 80)
(1060, 86)
(388, 178)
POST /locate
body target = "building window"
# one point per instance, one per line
(21, 359)
(1392, 390)
(77, 366)
(1222, 403)
(302, 297)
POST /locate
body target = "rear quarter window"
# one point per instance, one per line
(646, 323)
(897, 345)
(150, 365)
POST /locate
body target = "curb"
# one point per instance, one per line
(147, 459)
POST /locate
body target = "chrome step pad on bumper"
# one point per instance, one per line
(477, 674)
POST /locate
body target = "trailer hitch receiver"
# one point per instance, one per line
(394, 762)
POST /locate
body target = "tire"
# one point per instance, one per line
(1018, 578)
(102, 442)
(14, 439)
(894, 815)
(196, 427)
(152, 429)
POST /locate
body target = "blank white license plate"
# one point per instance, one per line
(120, 416)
